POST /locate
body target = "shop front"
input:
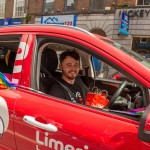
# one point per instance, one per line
(142, 46)
(138, 37)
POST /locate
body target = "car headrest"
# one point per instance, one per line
(49, 60)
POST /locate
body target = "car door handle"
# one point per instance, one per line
(31, 120)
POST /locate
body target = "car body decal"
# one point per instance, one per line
(4, 115)
(55, 144)
(22, 53)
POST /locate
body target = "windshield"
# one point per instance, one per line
(133, 54)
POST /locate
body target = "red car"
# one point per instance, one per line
(30, 118)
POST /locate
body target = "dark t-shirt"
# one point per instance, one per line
(58, 91)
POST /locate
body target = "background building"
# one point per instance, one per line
(93, 15)
(104, 17)
(138, 37)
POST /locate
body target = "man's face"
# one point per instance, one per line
(70, 67)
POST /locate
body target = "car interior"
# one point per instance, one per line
(125, 97)
(8, 50)
(125, 94)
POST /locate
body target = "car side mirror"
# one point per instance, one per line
(144, 128)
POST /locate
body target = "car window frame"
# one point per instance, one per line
(84, 48)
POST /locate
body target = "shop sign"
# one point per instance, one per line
(7, 21)
(2, 22)
(62, 19)
(16, 21)
(124, 24)
(137, 13)
(10, 21)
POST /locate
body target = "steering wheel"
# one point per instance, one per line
(117, 93)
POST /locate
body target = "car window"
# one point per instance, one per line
(102, 80)
(132, 53)
(8, 49)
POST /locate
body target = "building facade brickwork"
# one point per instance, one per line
(35, 7)
(105, 21)
(9, 8)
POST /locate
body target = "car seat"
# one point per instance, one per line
(49, 62)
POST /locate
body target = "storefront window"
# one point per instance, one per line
(143, 2)
(142, 46)
(97, 5)
(48, 6)
(19, 7)
(2, 8)
(71, 5)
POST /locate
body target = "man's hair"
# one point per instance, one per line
(72, 53)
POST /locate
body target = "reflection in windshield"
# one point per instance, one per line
(133, 54)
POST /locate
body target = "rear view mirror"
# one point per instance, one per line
(144, 128)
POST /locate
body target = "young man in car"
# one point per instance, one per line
(70, 86)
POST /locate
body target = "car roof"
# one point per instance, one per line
(41, 27)
(135, 67)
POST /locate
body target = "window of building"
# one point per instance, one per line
(19, 7)
(97, 5)
(48, 6)
(71, 5)
(144, 40)
(142, 46)
(143, 2)
(2, 8)
(98, 31)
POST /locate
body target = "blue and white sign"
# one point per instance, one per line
(124, 25)
(63, 20)
(7, 21)
(2, 22)
(11, 21)
(16, 21)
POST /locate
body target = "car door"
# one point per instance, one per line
(8, 97)
(7, 109)
(44, 122)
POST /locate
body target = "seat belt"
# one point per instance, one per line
(87, 76)
(71, 94)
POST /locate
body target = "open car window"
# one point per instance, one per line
(8, 49)
(133, 54)
(130, 101)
